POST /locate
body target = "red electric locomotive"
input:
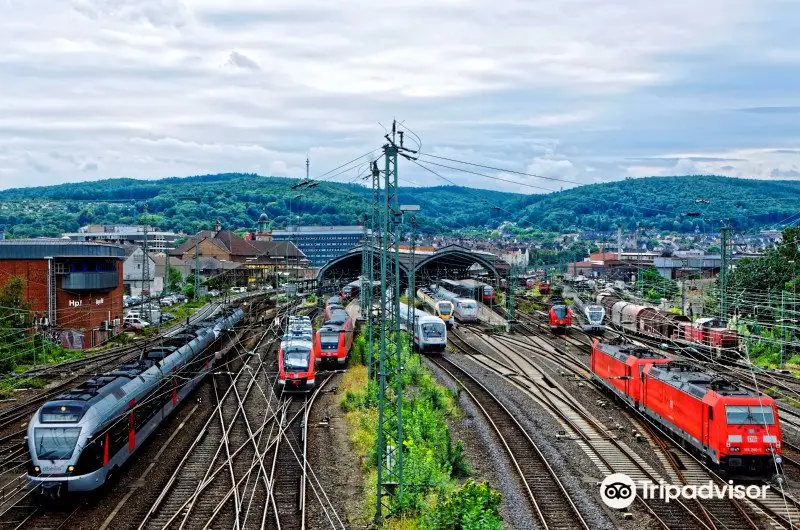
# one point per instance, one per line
(618, 367)
(544, 288)
(560, 318)
(733, 427)
(296, 366)
(333, 340)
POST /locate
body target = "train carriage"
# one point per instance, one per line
(296, 366)
(78, 440)
(428, 333)
(560, 317)
(464, 309)
(443, 309)
(333, 340)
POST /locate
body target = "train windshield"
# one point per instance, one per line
(744, 415)
(560, 311)
(435, 330)
(329, 340)
(444, 309)
(295, 360)
(595, 316)
(55, 443)
(469, 305)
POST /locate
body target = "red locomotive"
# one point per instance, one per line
(544, 288)
(711, 333)
(530, 283)
(560, 317)
(296, 366)
(333, 340)
(732, 427)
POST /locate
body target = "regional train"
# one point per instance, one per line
(560, 317)
(443, 309)
(470, 288)
(464, 309)
(333, 340)
(428, 333)
(732, 427)
(296, 363)
(594, 315)
(80, 439)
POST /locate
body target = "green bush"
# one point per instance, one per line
(470, 507)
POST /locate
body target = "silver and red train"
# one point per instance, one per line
(732, 427)
(334, 339)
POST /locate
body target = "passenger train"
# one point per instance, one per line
(81, 438)
(464, 309)
(734, 428)
(428, 333)
(560, 316)
(333, 340)
(296, 361)
(441, 308)
(470, 288)
(351, 290)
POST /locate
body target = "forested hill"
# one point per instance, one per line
(188, 204)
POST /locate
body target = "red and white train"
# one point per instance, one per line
(296, 357)
(732, 427)
(333, 340)
(560, 317)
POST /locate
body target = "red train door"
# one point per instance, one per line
(131, 425)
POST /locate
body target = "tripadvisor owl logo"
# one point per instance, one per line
(618, 491)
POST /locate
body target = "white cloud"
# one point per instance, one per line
(153, 88)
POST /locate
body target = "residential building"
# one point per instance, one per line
(321, 244)
(133, 273)
(74, 288)
(157, 241)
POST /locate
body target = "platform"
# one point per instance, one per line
(487, 316)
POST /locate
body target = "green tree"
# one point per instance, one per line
(175, 280)
(16, 343)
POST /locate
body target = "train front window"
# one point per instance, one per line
(55, 443)
(295, 360)
(560, 311)
(595, 316)
(444, 309)
(433, 330)
(745, 415)
(61, 413)
(329, 341)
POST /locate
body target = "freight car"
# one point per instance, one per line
(80, 439)
(333, 340)
(734, 428)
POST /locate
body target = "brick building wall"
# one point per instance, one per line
(83, 311)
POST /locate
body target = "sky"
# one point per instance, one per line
(572, 91)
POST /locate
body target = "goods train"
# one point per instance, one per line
(333, 340)
(560, 316)
(732, 427)
(464, 309)
(429, 333)
(441, 308)
(81, 438)
(471, 289)
(296, 363)
(654, 323)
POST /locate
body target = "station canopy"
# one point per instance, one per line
(453, 261)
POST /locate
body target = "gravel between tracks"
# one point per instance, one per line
(335, 463)
(578, 475)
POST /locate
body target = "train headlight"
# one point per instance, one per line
(778, 460)
(37, 469)
(70, 469)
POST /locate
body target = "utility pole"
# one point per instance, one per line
(512, 273)
(146, 270)
(725, 243)
(375, 238)
(390, 415)
(197, 266)
(364, 270)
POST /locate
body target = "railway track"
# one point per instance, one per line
(548, 497)
(781, 508)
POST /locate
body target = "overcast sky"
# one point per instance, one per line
(579, 90)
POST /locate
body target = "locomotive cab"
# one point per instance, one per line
(296, 367)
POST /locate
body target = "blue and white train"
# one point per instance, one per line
(81, 438)
(429, 332)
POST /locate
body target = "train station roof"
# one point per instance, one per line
(446, 261)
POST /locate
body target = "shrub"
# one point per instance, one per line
(470, 507)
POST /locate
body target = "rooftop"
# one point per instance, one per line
(57, 248)
(355, 229)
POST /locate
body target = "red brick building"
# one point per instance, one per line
(71, 286)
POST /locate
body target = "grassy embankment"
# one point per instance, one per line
(438, 494)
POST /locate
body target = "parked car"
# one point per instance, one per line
(134, 323)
